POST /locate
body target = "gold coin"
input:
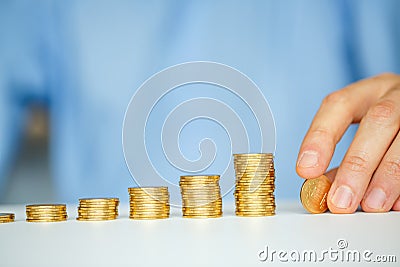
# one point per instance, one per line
(201, 198)
(252, 155)
(143, 217)
(202, 213)
(96, 219)
(46, 208)
(146, 189)
(313, 194)
(158, 197)
(200, 216)
(6, 221)
(46, 220)
(157, 209)
(253, 163)
(46, 212)
(158, 206)
(149, 192)
(7, 217)
(187, 210)
(51, 206)
(149, 212)
(99, 203)
(98, 209)
(151, 203)
(253, 166)
(106, 199)
(200, 176)
(242, 214)
(50, 218)
(96, 214)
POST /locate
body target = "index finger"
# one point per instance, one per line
(337, 111)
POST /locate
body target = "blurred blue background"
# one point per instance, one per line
(69, 68)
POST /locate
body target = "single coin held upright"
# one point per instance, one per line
(314, 193)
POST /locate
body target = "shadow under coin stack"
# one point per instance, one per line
(7, 217)
(97, 209)
(255, 184)
(201, 196)
(46, 213)
(149, 203)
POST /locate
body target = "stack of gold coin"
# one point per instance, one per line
(46, 213)
(201, 196)
(255, 184)
(149, 203)
(97, 209)
(7, 217)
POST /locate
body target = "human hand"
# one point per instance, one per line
(370, 171)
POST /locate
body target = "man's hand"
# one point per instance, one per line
(370, 171)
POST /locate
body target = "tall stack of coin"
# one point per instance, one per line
(255, 184)
(97, 209)
(7, 217)
(149, 203)
(46, 213)
(201, 196)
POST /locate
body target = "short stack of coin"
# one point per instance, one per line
(201, 196)
(46, 213)
(255, 184)
(98, 209)
(149, 203)
(7, 217)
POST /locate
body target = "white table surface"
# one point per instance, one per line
(227, 241)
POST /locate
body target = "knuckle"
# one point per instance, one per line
(320, 132)
(382, 113)
(391, 168)
(337, 97)
(388, 79)
(323, 134)
(386, 75)
(356, 163)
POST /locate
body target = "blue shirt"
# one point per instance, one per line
(85, 59)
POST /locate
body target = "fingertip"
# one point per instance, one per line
(366, 208)
(309, 164)
(335, 210)
(374, 201)
(309, 173)
(308, 159)
(341, 200)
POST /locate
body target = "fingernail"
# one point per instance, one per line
(376, 199)
(342, 197)
(308, 159)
